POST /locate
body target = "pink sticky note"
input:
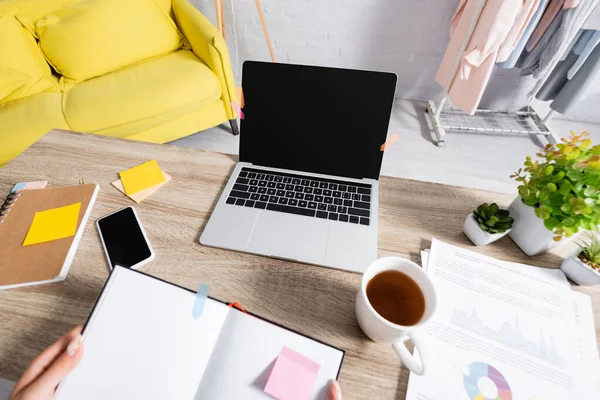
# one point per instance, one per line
(237, 109)
(36, 185)
(293, 376)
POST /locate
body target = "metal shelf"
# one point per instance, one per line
(451, 119)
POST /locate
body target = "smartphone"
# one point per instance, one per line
(124, 240)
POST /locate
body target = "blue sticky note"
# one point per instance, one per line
(18, 186)
(201, 296)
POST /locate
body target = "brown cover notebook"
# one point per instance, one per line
(43, 262)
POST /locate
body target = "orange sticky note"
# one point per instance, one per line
(141, 177)
(53, 224)
(240, 94)
(389, 142)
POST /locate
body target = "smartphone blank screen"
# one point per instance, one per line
(123, 238)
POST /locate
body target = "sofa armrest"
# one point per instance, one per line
(209, 46)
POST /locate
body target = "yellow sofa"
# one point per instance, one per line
(159, 99)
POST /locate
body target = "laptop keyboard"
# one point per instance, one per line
(302, 195)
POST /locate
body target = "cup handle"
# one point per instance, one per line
(411, 362)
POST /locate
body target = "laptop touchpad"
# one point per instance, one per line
(290, 236)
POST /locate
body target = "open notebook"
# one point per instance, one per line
(142, 342)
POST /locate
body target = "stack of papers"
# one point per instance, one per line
(141, 181)
(505, 331)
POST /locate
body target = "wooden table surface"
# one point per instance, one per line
(313, 300)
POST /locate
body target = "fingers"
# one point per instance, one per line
(59, 369)
(335, 392)
(42, 361)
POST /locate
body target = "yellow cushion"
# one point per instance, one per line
(93, 37)
(166, 5)
(10, 81)
(20, 56)
(175, 83)
(199, 120)
(35, 9)
(24, 121)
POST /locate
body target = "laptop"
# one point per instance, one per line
(306, 186)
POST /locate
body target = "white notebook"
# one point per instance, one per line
(142, 342)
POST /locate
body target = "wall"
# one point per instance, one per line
(408, 37)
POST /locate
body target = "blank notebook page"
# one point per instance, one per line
(246, 352)
(142, 342)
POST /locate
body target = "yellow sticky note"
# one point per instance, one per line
(139, 196)
(141, 177)
(53, 224)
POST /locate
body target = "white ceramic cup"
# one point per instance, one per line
(380, 329)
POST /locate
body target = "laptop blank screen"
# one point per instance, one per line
(315, 119)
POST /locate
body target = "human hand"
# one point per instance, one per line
(334, 393)
(40, 379)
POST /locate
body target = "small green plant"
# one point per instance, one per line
(590, 250)
(492, 219)
(564, 186)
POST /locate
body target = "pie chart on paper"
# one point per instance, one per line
(478, 370)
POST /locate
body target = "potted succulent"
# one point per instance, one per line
(583, 265)
(487, 224)
(559, 195)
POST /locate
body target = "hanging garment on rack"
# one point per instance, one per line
(593, 21)
(582, 41)
(560, 74)
(511, 62)
(557, 79)
(476, 63)
(567, 95)
(573, 19)
(530, 60)
(588, 9)
(550, 14)
(585, 45)
(518, 29)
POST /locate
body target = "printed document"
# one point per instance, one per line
(501, 331)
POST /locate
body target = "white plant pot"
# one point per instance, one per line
(578, 271)
(528, 231)
(478, 236)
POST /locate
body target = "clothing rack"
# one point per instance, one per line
(446, 119)
(591, 21)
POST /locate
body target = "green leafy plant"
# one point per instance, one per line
(492, 219)
(590, 250)
(564, 186)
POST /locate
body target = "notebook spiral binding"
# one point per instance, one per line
(8, 203)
